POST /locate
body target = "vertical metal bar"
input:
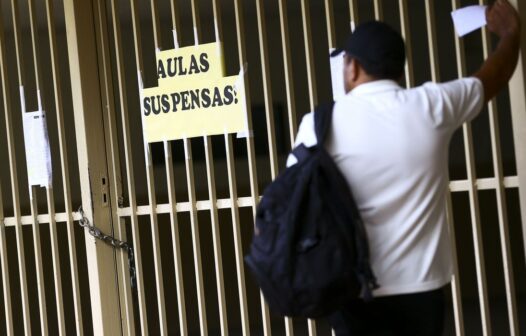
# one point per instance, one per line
(289, 78)
(18, 46)
(329, 20)
(150, 182)
(312, 327)
(237, 235)
(156, 25)
(473, 199)
(517, 88)
(218, 28)
(173, 203)
(6, 286)
(136, 33)
(128, 158)
(36, 53)
(309, 58)
(56, 261)
(455, 282)
(12, 167)
(34, 44)
(85, 88)
(267, 89)
(195, 237)
(432, 40)
(216, 236)
(175, 19)
(501, 203)
(38, 261)
(406, 34)
(114, 184)
(195, 20)
(176, 245)
(16, 201)
(378, 10)
(57, 277)
(353, 12)
(240, 34)
(64, 166)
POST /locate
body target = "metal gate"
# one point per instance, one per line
(187, 206)
(41, 251)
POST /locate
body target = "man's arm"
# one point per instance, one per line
(496, 71)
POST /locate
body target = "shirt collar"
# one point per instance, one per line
(375, 87)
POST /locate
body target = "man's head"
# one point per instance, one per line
(373, 51)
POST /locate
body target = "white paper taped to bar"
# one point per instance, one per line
(469, 19)
(338, 89)
(38, 155)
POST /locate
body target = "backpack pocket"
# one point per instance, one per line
(267, 224)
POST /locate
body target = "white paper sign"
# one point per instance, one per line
(38, 155)
(338, 89)
(468, 19)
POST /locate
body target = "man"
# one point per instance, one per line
(391, 145)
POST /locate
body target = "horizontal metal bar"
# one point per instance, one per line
(484, 183)
(454, 186)
(224, 203)
(185, 206)
(61, 217)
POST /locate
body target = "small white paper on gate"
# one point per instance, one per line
(468, 19)
(338, 89)
(38, 156)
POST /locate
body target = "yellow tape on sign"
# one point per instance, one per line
(193, 97)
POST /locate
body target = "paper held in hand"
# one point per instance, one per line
(469, 19)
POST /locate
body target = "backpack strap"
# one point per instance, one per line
(301, 152)
(322, 126)
(322, 121)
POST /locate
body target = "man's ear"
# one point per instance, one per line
(349, 72)
(354, 69)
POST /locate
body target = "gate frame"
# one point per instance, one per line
(87, 92)
(91, 147)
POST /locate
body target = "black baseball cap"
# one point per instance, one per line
(379, 49)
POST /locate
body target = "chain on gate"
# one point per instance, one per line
(112, 241)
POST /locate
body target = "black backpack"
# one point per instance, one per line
(309, 253)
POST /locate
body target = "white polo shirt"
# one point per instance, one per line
(391, 145)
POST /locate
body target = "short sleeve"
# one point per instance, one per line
(455, 102)
(306, 135)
